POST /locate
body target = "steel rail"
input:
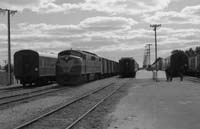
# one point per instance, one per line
(28, 96)
(10, 87)
(34, 91)
(91, 109)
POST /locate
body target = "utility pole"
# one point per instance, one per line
(9, 12)
(149, 53)
(147, 58)
(154, 26)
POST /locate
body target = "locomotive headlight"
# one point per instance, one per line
(66, 58)
(36, 69)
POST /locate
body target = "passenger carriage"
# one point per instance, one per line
(32, 67)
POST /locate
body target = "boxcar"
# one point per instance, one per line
(34, 67)
(127, 67)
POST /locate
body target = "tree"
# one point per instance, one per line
(190, 52)
(197, 50)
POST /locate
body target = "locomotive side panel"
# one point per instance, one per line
(93, 64)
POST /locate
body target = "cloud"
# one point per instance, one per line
(49, 29)
(107, 6)
(20, 5)
(87, 36)
(124, 6)
(192, 10)
(188, 15)
(95, 32)
(107, 23)
(3, 27)
(170, 17)
(93, 25)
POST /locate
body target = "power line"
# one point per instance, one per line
(9, 12)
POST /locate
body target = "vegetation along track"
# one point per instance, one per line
(69, 114)
(8, 99)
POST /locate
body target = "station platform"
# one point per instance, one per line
(144, 74)
(158, 105)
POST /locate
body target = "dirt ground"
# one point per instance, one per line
(147, 104)
(158, 105)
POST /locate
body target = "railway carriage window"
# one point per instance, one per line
(93, 58)
(40, 63)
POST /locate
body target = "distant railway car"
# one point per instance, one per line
(127, 67)
(178, 63)
(194, 65)
(76, 66)
(34, 67)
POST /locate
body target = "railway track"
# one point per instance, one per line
(193, 79)
(3, 88)
(69, 114)
(9, 99)
(22, 90)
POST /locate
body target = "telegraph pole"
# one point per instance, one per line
(147, 58)
(149, 52)
(154, 26)
(9, 12)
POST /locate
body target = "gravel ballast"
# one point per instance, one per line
(18, 114)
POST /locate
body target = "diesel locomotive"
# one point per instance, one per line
(76, 66)
(32, 67)
(128, 67)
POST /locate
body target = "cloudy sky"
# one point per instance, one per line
(109, 28)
